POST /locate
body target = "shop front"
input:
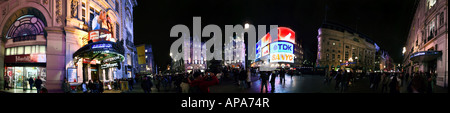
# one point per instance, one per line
(425, 61)
(21, 67)
(99, 61)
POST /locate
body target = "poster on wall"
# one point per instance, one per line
(72, 75)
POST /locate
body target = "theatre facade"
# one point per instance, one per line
(77, 40)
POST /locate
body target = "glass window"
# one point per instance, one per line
(27, 49)
(33, 49)
(20, 50)
(7, 51)
(83, 12)
(13, 51)
(41, 49)
(441, 20)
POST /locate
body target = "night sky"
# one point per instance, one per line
(386, 22)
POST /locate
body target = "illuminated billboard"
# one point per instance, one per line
(265, 51)
(258, 50)
(286, 34)
(141, 54)
(282, 57)
(265, 40)
(281, 47)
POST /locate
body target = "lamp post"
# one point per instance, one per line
(356, 62)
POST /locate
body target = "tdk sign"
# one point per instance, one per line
(281, 47)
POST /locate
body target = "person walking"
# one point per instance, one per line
(149, 85)
(249, 77)
(96, 86)
(6, 83)
(31, 82)
(38, 84)
(338, 78)
(282, 75)
(101, 87)
(243, 79)
(384, 82)
(203, 82)
(144, 85)
(66, 86)
(272, 82)
(84, 87)
(91, 86)
(264, 77)
(394, 85)
(185, 84)
(344, 81)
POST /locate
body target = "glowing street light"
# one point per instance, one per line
(246, 26)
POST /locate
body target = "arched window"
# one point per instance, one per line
(26, 28)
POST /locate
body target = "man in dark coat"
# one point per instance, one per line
(38, 83)
(264, 77)
(31, 82)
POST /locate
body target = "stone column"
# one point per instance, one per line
(2, 64)
(56, 49)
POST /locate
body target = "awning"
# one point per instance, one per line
(425, 56)
(101, 51)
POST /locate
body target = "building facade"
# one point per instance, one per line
(298, 52)
(426, 47)
(40, 37)
(147, 67)
(384, 62)
(340, 47)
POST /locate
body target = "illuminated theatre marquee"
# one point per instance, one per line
(101, 46)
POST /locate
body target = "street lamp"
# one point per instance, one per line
(246, 26)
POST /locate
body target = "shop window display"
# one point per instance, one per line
(19, 76)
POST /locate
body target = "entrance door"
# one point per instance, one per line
(432, 65)
(94, 72)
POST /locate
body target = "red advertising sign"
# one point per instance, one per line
(87, 61)
(286, 34)
(101, 35)
(265, 40)
(265, 51)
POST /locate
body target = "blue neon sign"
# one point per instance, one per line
(101, 46)
(281, 47)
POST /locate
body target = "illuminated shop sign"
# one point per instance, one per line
(281, 47)
(282, 57)
(101, 46)
(111, 59)
(265, 51)
(258, 50)
(30, 58)
(87, 61)
(101, 35)
(104, 66)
